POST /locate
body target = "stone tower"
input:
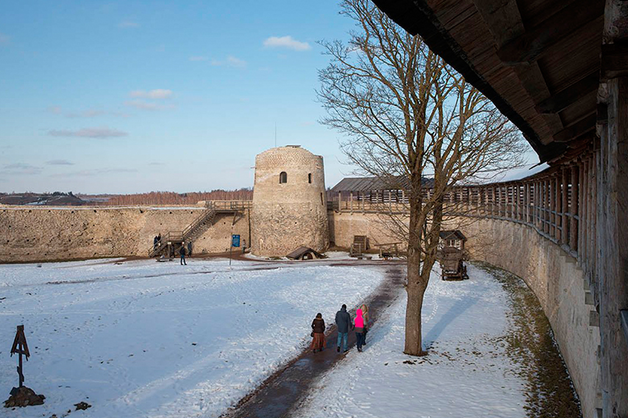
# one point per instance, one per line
(289, 202)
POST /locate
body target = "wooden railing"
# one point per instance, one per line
(560, 203)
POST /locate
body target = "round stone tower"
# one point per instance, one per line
(289, 202)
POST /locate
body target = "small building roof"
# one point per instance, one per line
(452, 234)
(367, 184)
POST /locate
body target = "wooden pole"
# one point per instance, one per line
(573, 209)
(563, 207)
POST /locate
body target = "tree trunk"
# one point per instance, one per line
(415, 287)
(414, 340)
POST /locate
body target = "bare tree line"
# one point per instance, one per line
(172, 198)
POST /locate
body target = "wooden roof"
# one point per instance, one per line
(537, 60)
(367, 184)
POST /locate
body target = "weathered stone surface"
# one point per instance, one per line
(287, 215)
(41, 234)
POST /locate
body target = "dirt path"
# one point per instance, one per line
(283, 392)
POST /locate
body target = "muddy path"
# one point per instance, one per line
(283, 392)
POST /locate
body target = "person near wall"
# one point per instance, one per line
(190, 249)
(365, 316)
(318, 333)
(155, 241)
(359, 329)
(182, 254)
(343, 322)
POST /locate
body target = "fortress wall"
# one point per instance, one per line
(41, 234)
(558, 283)
(344, 225)
(548, 270)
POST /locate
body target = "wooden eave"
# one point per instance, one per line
(538, 61)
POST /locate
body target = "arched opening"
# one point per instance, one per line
(283, 177)
(309, 178)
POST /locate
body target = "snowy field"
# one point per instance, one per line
(148, 339)
(467, 373)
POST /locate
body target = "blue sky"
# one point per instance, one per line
(123, 97)
(130, 96)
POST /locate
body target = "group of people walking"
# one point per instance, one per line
(344, 323)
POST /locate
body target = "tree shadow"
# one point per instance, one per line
(455, 311)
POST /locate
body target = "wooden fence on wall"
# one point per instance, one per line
(560, 203)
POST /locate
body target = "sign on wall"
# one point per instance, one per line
(235, 240)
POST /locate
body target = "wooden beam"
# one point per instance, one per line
(576, 130)
(614, 61)
(529, 46)
(563, 99)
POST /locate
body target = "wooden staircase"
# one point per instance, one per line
(199, 225)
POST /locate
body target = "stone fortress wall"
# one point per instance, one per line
(289, 202)
(46, 234)
(551, 273)
(286, 215)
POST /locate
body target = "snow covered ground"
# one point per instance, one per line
(148, 339)
(467, 373)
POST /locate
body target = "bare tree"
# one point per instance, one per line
(407, 114)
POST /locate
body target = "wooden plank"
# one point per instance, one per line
(582, 127)
(573, 209)
(614, 61)
(570, 95)
(528, 46)
(563, 206)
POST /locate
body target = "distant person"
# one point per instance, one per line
(318, 333)
(190, 249)
(155, 242)
(182, 253)
(365, 315)
(243, 246)
(359, 329)
(343, 322)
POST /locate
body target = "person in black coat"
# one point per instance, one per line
(343, 322)
(182, 253)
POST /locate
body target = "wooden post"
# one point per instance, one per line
(573, 209)
(563, 207)
(351, 201)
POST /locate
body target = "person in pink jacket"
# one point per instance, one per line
(359, 329)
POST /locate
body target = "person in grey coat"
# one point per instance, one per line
(343, 322)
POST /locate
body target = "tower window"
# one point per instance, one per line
(283, 177)
(309, 177)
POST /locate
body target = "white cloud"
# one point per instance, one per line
(128, 24)
(286, 42)
(100, 133)
(231, 61)
(144, 105)
(4, 39)
(199, 58)
(59, 162)
(151, 94)
(85, 114)
(21, 168)
(95, 172)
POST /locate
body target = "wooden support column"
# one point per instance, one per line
(613, 280)
(526, 202)
(573, 209)
(583, 213)
(563, 208)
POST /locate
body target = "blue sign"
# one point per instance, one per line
(235, 240)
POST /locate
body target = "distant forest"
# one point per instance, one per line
(171, 198)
